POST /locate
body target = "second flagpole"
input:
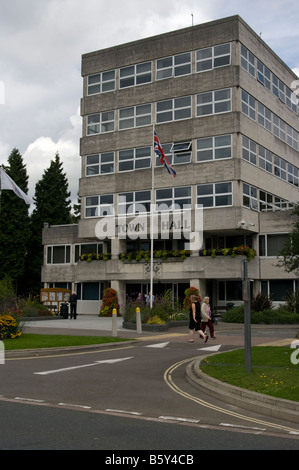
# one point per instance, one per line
(152, 217)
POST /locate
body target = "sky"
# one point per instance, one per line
(41, 44)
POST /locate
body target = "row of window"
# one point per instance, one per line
(269, 245)
(272, 83)
(166, 67)
(260, 200)
(208, 148)
(270, 121)
(268, 161)
(61, 254)
(207, 195)
(176, 109)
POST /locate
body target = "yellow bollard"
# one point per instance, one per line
(114, 322)
(138, 321)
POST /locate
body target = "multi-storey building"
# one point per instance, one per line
(221, 102)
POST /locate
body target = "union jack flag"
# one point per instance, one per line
(160, 152)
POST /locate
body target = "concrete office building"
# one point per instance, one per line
(223, 107)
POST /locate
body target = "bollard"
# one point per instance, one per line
(138, 321)
(114, 322)
(2, 353)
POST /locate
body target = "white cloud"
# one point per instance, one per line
(39, 154)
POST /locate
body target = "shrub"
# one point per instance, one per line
(9, 327)
(110, 301)
(268, 317)
(261, 302)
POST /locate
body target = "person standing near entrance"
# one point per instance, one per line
(194, 323)
(206, 317)
(73, 303)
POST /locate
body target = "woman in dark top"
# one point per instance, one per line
(195, 319)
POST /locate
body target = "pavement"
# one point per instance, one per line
(230, 335)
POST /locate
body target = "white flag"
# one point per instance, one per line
(8, 183)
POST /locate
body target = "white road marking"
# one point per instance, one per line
(123, 411)
(211, 348)
(107, 361)
(185, 420)
(158, 345)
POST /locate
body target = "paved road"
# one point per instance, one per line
(143, 381)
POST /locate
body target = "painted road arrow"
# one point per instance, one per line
(211, 348)
(107, 361)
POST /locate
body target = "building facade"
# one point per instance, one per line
(222, 105)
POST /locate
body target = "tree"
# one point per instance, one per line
(52, 206)
(14, 223)
(290, 251)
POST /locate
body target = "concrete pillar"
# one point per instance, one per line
(120, 287)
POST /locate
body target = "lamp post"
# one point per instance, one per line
(247, 314)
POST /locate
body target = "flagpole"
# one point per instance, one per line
(152, 218)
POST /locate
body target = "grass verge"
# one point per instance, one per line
(36, 341)
(272, 372)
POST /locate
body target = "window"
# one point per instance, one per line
(271, 245)
(247, 60)
(99, 206)
(280, 167)
(134, 159)
(134, 202)
(176, 153)
(99, 164)
(248, 105)
(174, 66)
(135, 75)
(214, 102)
(264, 117)
(293, 175)
(136, 116)
(249, 150)
(173, 198)
(277, 289)
(59, 254)
(215, 194)
(214, 148)
(265, 159)
(250, 196)
(263, 75)
(279, 128)
(100, 123)
(101, 82)
(87, 248)
(174, 109)
(212, 57)
(90, 290)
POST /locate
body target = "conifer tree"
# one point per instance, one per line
(53, 207)
(14, 223)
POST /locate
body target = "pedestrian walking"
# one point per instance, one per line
(206, 317)
(195, 317)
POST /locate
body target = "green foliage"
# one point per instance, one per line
(9, 326)
(261, 302)
(290, 251)
(110, 302)
(164, 309)
(188, 292)
(268, 317)
(14, 222)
